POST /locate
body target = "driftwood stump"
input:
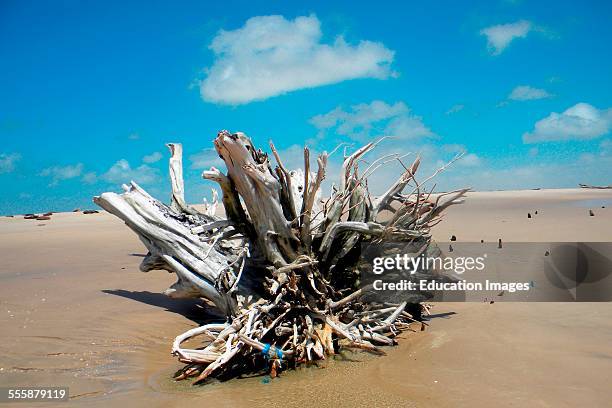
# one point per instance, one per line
(282, 264)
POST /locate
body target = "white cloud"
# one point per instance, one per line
(133, 136)
(552, 172)
(205, 159)
(89, 178)
(480, 173)
(580, 122)
(472, 170)
(606, 145)
(368, 120)
(432, 157)
(455, 108)
(442, 153)
(501, 104)
(271, 55)
(122, 172)
(526, 93)
(8, 161)
(469, 160)
(152, 158)
(59, 173)
(501, 35)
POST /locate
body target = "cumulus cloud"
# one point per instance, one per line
(8, 161)
(89, 178)
(377, 118)
(475, 171)
(501, 35)
(122, 172)
(501, 104)
(467, 159)
(455, 108)
(470, 160)
(205, 159)
(527, 93)
(152, 158)
(544, 173)
(580, 122)
(606, 147)
(59, 173)
(366, 122)
(433, 156)
(271, 55)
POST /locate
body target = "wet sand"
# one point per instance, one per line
(75, 311)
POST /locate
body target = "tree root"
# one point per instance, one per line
(282, 265)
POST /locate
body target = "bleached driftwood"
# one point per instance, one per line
(595, 187)
(282, 265)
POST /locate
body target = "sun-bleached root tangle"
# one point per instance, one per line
(282, 265)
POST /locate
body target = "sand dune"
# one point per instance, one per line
(75, 311)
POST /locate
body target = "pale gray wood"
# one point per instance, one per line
(279, 248)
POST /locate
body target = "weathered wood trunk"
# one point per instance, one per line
(282, 265)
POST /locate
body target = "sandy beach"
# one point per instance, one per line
(75, 311)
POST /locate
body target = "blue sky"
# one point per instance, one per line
(91, 91)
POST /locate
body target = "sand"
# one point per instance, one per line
(75, 311)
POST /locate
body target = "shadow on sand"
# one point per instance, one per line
(192, 309)
(444, 315)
